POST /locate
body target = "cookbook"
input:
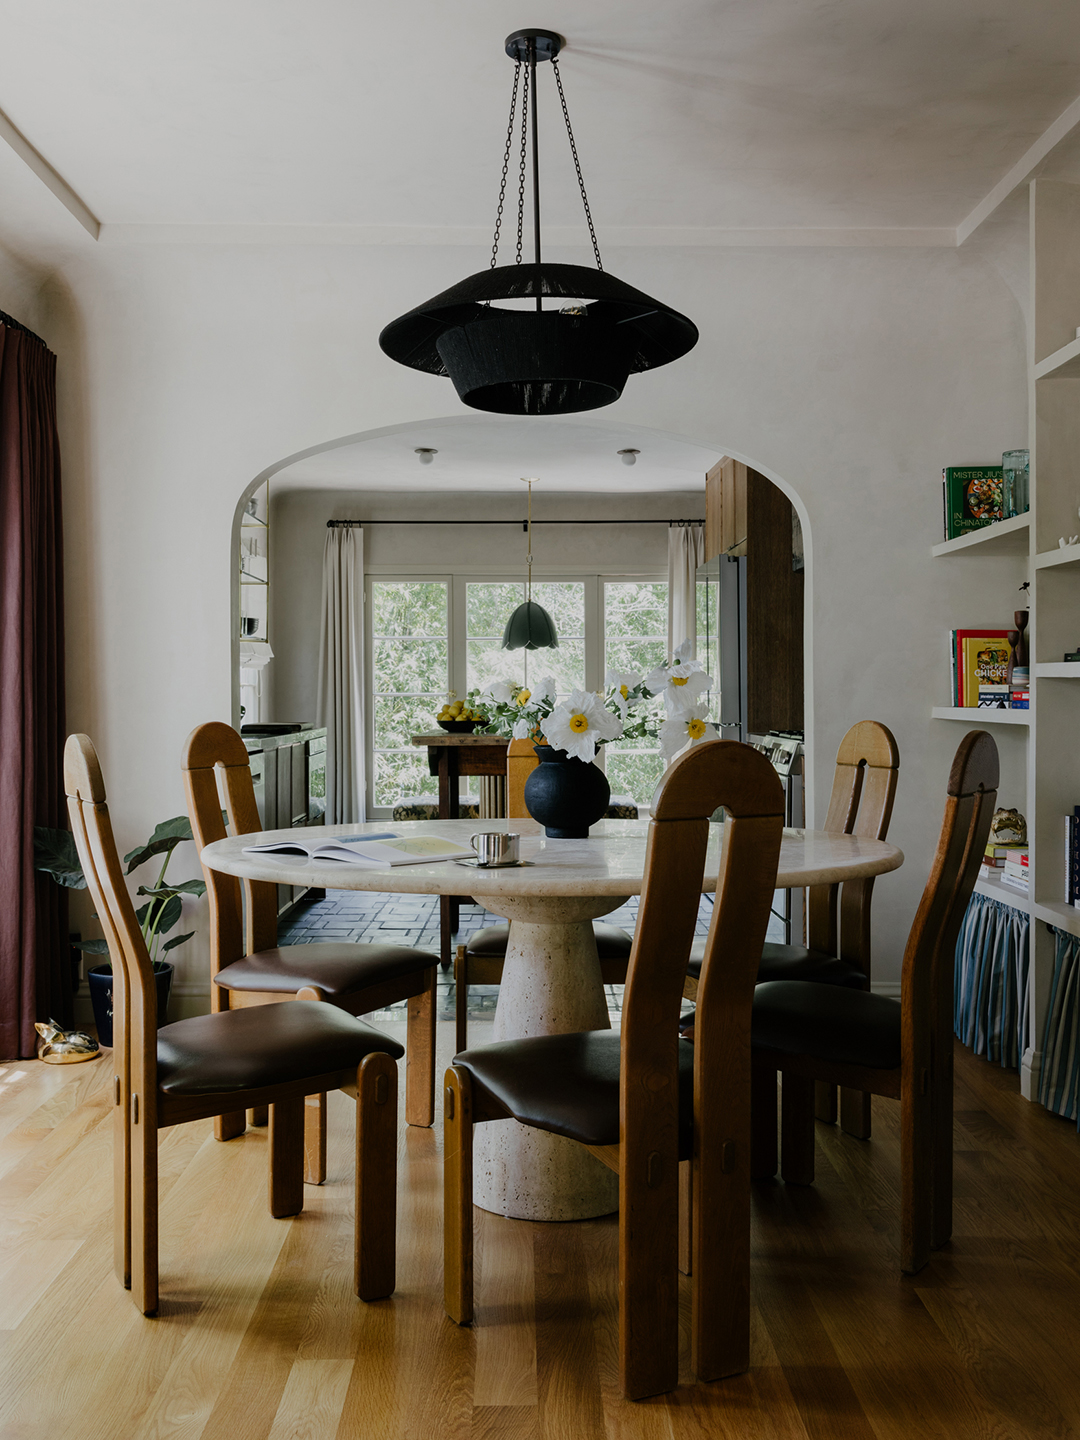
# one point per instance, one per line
(379, 850)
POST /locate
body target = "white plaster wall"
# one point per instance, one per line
(849, 376)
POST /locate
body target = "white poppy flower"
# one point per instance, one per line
(523, 728)
(546, 688)
(580, 724)
(690, 727)
(499, 692)
(624, 683)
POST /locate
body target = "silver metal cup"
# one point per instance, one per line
(494, 847)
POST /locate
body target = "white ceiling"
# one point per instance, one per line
(693, 113)
(492, 453)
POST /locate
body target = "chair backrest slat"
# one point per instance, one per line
(134, 988)
(720, 772)
(931, 946)
(210, 750)
(861, 803)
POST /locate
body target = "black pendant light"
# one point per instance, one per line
(530, 627)
(569, 357)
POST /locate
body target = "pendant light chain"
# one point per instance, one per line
(521, 167)
(505, 168)
(577, 164)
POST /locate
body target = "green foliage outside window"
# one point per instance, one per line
(635, 639)
(411, 670)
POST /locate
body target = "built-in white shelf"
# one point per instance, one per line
(1057, 670)
(1063, 555)
(1063, 364)
(1004, 537)
(995, 890)
(1057, 913)
(972, 714)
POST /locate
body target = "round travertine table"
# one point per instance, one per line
(551, 980)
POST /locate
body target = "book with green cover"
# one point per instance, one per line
(972, 497)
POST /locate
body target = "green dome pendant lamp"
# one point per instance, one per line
(530, 627)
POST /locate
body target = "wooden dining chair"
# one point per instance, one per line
(250, 968)
(215, 1064)
(899, 1048)
(642, 1099)
(481, 959)
(838, 917)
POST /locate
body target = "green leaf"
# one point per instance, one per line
(182, 887)
(176, 940)
(159, 915)
(164, 841)
(55, 854)
(92, 947)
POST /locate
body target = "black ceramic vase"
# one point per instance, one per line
(566, 795)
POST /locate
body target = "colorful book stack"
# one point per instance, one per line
(1072, 858)
(980, 662)
(1015, 871)
(971, 496)
(994, 860)
(1020, 695)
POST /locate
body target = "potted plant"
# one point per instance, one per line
(55, 854)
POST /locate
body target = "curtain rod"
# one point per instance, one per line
(13, 324)
(335, 524)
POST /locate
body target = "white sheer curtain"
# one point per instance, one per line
(686, 551)
(341, 673)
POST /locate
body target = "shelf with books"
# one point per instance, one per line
(1003, 537)
(972, 715)
(1063, 364)
(995, 890)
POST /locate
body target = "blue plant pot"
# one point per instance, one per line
(100, 981)
(566, 795)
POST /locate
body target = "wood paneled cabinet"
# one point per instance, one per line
(751, 523)
(725, 508)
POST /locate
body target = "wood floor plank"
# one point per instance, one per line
(506, 1422)
(311, 1406)
(505, 1324)
(567, 1376)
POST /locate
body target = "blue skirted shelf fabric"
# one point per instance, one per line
(1059, 1085)
(990, 998)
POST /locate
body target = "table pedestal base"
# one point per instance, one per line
(551, 985)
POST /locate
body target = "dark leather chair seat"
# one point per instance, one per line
(611, 942)
(263, 1045)
(847, 1027)
(336, 969)
(793, 962)
(569, 1084)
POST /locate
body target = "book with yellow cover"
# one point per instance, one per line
(982, 659)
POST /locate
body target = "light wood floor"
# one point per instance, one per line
(260, 1336)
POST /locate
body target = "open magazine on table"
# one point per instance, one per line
(381, 849)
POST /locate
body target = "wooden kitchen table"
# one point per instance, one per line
(450, 757)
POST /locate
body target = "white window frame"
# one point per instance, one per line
(457, 648)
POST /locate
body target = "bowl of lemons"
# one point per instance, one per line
(456, 718)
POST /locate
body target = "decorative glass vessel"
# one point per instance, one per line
(1015, 489)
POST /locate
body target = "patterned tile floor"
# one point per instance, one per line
(366, 916)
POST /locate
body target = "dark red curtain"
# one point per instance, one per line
(35, 972)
